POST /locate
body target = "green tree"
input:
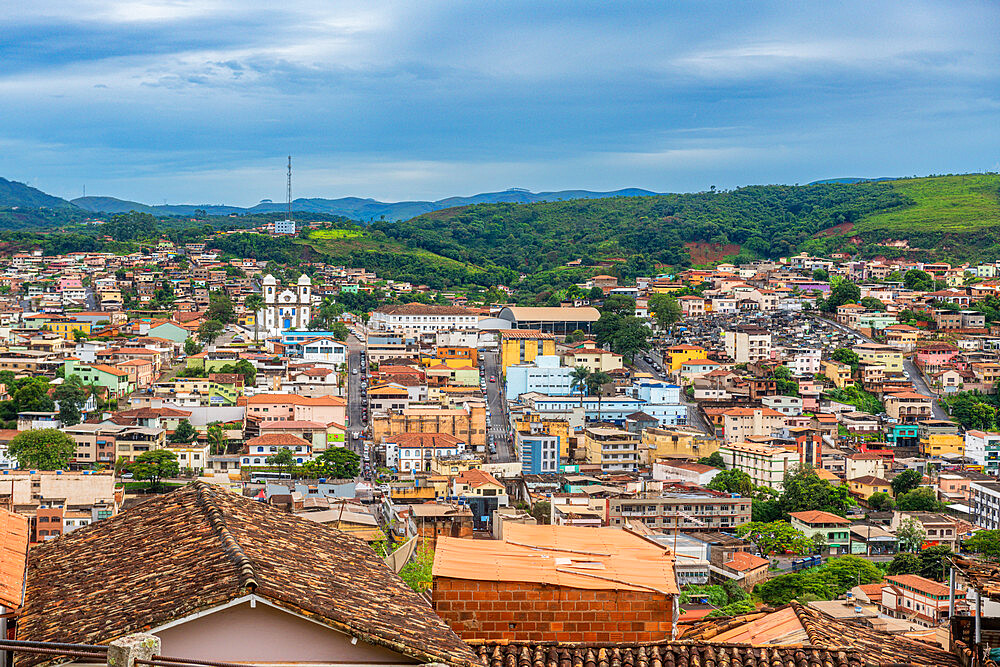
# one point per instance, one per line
(843, 293)
(595, 384)
(191, 346)
(904, 563)
(910, 535)
(934, 562)
(985, 543)
(340, 331)
(185, 433)
(210, 330)
(32, 396)
(714, 459)
(778, 537)
(220, 308)
(542, 512)
(733, 481)
(283, 459)
(982, 417)
(217, 438)
(154, 466)
(871, 303)
(335, 462)
(919, 500)
(918, 280)
(820, 275)
(881, 502)
(666, 309)
(578, 381)
(844, 573)
(254, 303)
(846, 356)
(45, 449)
(247, 370)
(801, 586)
(906, 481)
(71, 396)
(805, 491)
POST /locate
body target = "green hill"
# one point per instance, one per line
(764, 220)
(13, 193)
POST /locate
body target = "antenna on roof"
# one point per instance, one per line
(289, 187)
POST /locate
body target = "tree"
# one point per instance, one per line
(820, 275)
(254, 303)
(335, 462)
(282, 459)
(210, 330)
(910, 535)
(805, 491)
(846, 356)
(578, 381)
(714, 459)
(71, 397)
(844, 292)
(340, 331)
(619, 304)
(732, 481)
(906, 481)
(191, 346)
(247, 370)
(595, 381)
(32, 396)
(777, 537)
(844, 573)
(220, 308)
(934, 562)
(185, 433)
(904, 563)
(154, 466)
(881, 502)
(45, 449)
(631, 336)
(918, 280)
(217, 438)
(919, 500)
(982, 417)
(985, 543)
(666, 309)
(576, 336)
(542, 512)
(801, 586)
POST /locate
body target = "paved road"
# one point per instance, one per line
(354, 402)
(694, 416)
(912, 373)
(499, 430)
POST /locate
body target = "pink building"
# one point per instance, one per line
(936, 354)
(70, 283)
(292, 407)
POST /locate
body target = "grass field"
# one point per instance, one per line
(329, 234)
(357, 243)
(947, 204)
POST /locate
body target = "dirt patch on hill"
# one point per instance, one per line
(709, 253)
(836, 230)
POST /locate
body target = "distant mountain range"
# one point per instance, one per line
(354, 207)
(13, 193)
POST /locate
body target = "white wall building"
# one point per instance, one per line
(418, 318)
(544, 376)
(765, 465)
(326, 351)
(984, 449)
(286, 308)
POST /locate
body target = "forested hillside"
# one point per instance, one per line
(766, 221)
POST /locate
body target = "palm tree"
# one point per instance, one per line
(594, 384)
(578, 381)
(341, 374)
(254, 302)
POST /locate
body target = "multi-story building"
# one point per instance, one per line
(883, 355)
(256, 451)
(914, 598)
(748, 344)
(544, 376)
(292, 407)
(539, 452)
(985, 504)
(409, 452)
(834, 530)
(289, 308)
(687, 507)
(908, 407)
(741, 423)
(418, 318)
(677, 355)
(767, 466)
(679, 442)
(524, 346)
(984, 448)
(467, 424)
(99, 443)
(612, 448)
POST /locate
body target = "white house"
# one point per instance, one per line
(325, 350)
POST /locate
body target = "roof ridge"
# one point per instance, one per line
(230, 547)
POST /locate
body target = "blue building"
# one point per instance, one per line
(539, 453)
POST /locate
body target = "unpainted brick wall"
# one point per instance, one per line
(491, 610)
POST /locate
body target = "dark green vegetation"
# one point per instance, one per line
(767, 220)
(826, 582)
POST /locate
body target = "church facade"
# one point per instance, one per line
(285, 307)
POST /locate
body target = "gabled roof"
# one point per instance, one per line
(200, 547)
(819, 516)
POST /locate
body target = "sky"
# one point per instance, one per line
(201, 101)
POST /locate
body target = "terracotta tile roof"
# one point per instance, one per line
(741, 561)
(423, 309)
(199, 547)
(984, 577)
(294, 399)
(918, 583)
(476, 478)
(818, 516)
(423, 440)
(13, 556)
(531, 654)
(276, 439)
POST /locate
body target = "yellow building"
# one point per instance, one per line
(839, 374)
(557, 428)
(612, 448)
(66, 329)
(678, 354)
(864, 487)
(938, 444)
(593, 358)
(453, 466)
(521, 346)
(883, 355)
(678, 443)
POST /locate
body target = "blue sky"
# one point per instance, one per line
(199, 101)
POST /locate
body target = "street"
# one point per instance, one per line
(694, 416)
(355, 421)
(498, 432)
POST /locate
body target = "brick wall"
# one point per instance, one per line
(491, 610)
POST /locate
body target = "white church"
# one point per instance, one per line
(286, 308)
